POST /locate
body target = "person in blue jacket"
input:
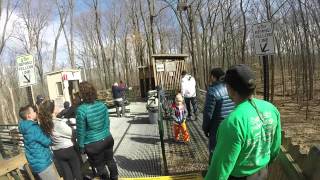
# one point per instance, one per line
(37, 145)
(217, 107)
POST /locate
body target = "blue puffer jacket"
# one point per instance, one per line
(36, 145)
(93, 123)
(217, 107)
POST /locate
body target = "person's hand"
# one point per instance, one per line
(82, 151)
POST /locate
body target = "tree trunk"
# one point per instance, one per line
(54, 53)
(244, 36)
(97, 28)
(191, 27)
(72, 61)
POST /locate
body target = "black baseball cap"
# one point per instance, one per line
(241, 78)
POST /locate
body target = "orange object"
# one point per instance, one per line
(177, 128)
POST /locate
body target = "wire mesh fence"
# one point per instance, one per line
(180, 157)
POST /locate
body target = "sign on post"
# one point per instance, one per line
(160, 67)
(170, 66)
(263, 39)
(26, 73)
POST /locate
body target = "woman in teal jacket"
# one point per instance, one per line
(93, 132)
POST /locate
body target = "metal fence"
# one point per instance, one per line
(180, 157)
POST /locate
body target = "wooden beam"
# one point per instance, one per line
(27, 168)
(170, 56)
(291, 168)
(19, 174)
(12, 164)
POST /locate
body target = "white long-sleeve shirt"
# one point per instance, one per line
(61, 134)
(188, 86)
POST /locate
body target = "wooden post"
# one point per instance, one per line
(29, 172)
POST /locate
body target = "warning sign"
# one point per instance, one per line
(26, 73)
(263, 39)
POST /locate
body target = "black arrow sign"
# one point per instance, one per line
(27, 78)
(263, 49)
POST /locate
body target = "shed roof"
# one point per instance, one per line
(170, 56)
(62, 70)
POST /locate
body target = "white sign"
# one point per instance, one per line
(170, 66)
(160, 67)
(263, 39)
(26, 73)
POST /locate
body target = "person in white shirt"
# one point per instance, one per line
(188, 91)
(62, 143)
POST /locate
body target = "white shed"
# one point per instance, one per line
(63, 84)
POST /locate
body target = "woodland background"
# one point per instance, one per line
(110, 39)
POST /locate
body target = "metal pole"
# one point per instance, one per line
(266, 78)
(30, 95)
(161, 131)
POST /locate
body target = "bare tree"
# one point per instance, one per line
(9, 9)
(35, 17)
(63, 14)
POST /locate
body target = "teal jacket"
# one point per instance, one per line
(36, 144)
(93, 123)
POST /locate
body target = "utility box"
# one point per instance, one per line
(63, 85)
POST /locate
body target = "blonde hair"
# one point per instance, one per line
(179, 98)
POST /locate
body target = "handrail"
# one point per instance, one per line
(161, 130)
(14, 164)
(292, 169)
(306, 168)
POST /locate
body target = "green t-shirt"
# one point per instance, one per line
(246, 143)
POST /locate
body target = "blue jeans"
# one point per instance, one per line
(50, 173)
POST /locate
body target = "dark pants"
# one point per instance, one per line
(193, 101)
(100, 154)
(69, 162)
(212, 142)
(262, 174)
(118, 105)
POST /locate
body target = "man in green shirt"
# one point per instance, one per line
(250, 137)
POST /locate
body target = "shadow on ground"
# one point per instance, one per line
(146, 140)
(144, 166)
(139, 120)
(140, 114)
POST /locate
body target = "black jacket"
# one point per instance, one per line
(118, 91)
